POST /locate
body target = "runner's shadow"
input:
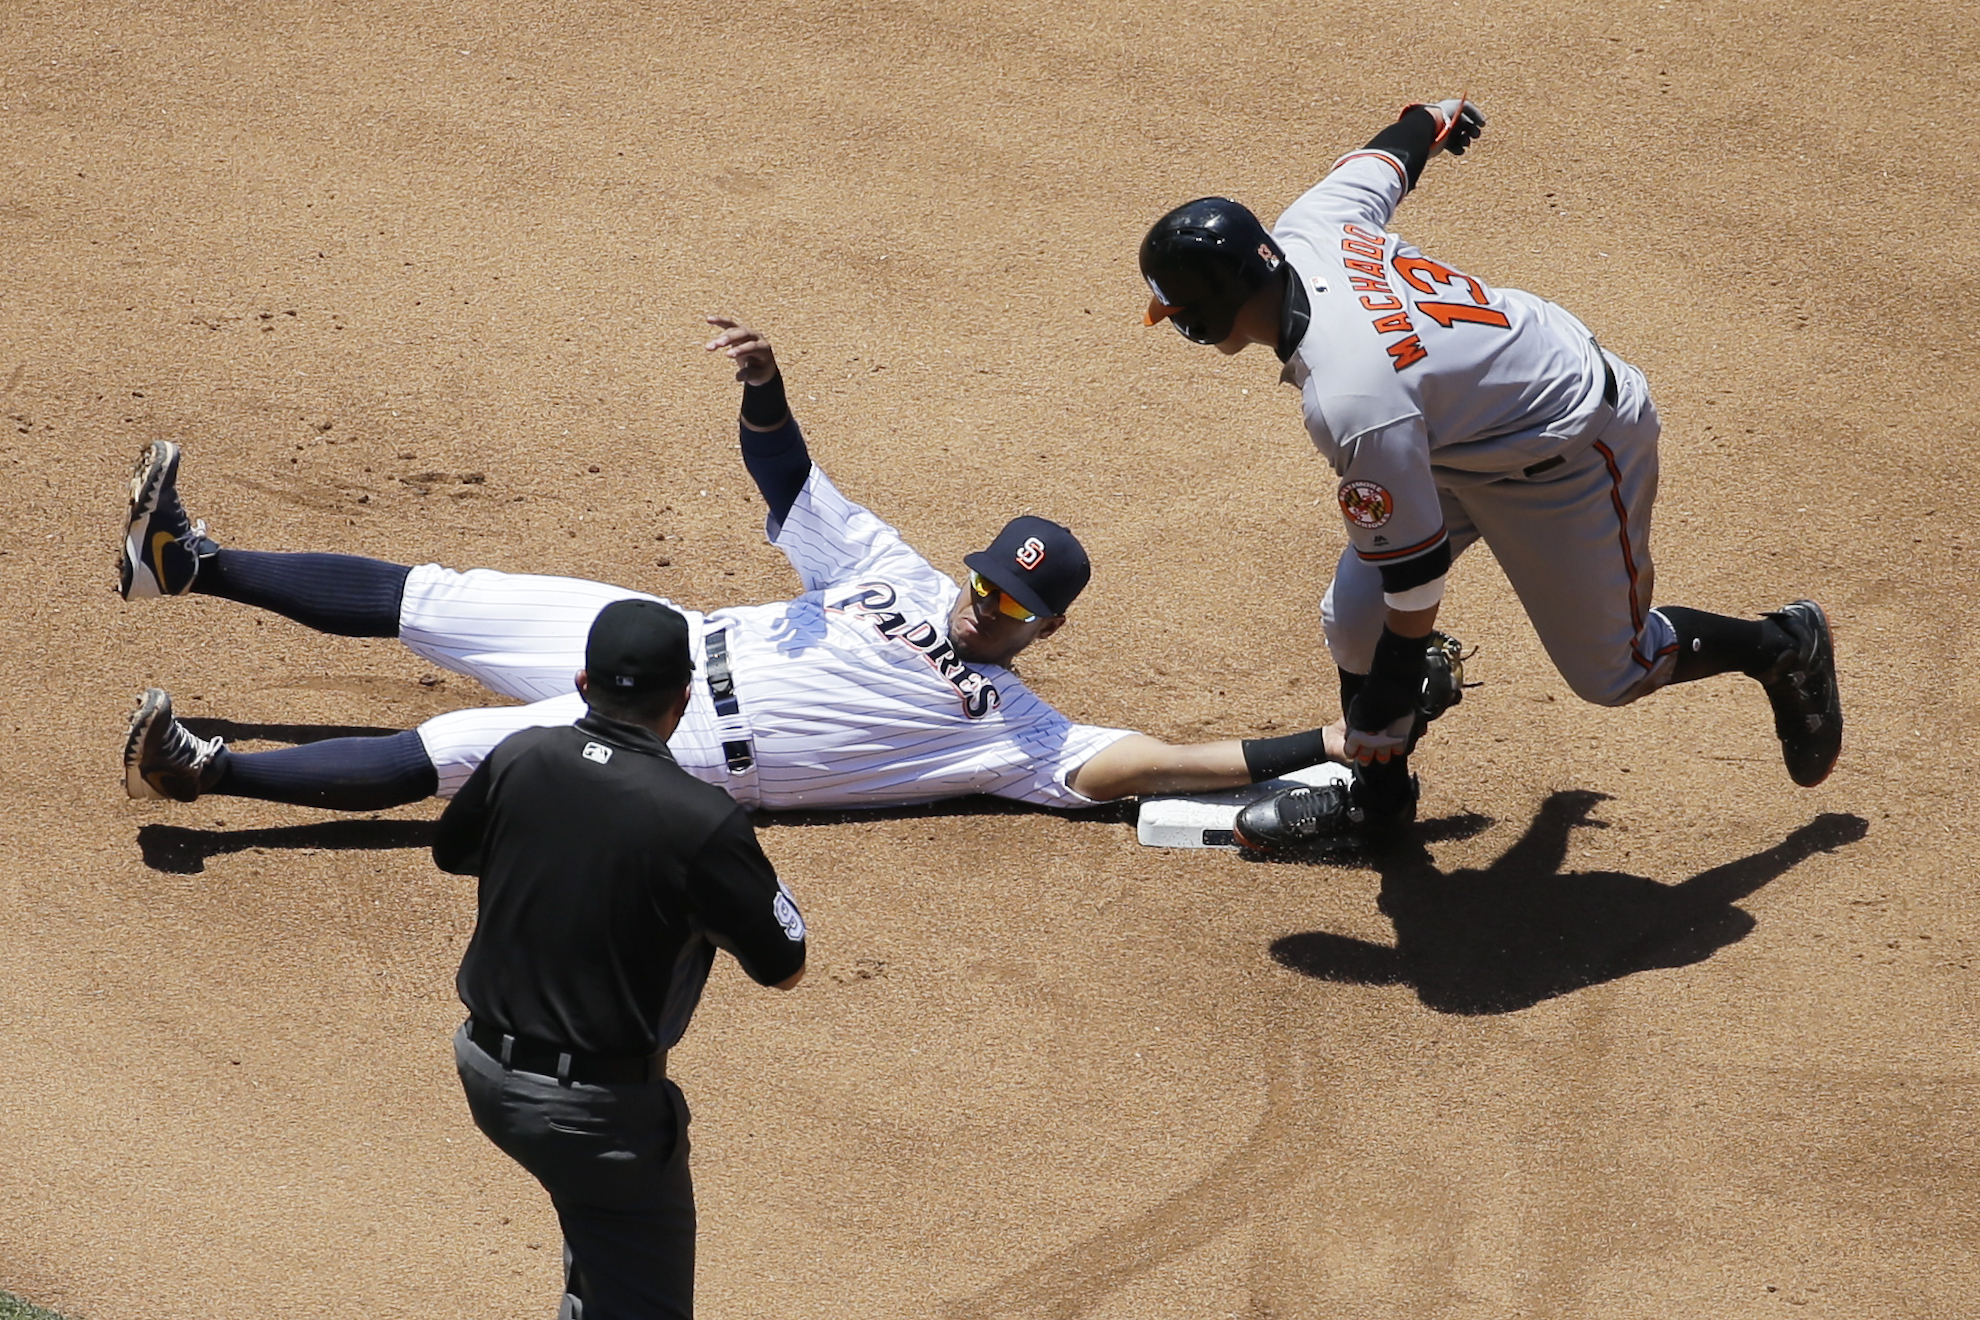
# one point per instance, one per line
(1521, 931)
(180, 851)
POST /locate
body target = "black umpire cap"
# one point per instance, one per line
(638, 646)
(1038, 563)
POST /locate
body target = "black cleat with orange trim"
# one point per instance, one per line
(1304, 816)
(164, 759)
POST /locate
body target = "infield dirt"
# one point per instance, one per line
(1645, 1032)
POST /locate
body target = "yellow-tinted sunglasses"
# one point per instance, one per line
(1007, 605)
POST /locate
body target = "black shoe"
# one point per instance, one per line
(162, 546)
(1293, 817)
(162, 758)
(1801, 687)
(1301, 816)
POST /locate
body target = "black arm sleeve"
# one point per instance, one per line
(778, 462)
(1409, 140)
(1426, 567)
(742, 905)
(457, 842)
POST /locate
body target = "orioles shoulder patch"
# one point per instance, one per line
(1366, 504)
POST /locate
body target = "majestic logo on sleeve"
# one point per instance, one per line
(874, 603)
(1366, 504)
(1031, 554)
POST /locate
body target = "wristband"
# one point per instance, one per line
(1268, 758)
(1416, 598)
(764, 406)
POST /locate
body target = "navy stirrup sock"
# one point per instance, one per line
(342, 774)
(343, 594)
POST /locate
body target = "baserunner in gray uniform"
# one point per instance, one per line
(1455, 412)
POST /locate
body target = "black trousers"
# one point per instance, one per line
(614, 1159)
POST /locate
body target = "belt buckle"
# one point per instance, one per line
(721, 683)
(722, 688)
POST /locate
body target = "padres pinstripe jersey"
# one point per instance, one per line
(850, 695)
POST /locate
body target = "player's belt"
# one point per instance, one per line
(522, 1054)
(736, 746)
(1609, 396)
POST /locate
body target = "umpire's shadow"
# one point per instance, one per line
(1521, 931)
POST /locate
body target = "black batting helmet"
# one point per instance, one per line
(1203, 261)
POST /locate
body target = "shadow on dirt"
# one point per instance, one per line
(234, 731)
(180, 851)
(980, 804)
(1520, 932)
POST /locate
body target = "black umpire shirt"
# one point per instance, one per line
(609, 876)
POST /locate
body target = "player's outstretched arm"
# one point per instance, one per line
(1138, 765)
(773, 447)
(1426, 128)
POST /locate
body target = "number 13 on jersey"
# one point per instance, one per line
(1362, 255)
(1427, 276)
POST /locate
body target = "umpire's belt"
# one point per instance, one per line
(729, 723)
(524, 1054)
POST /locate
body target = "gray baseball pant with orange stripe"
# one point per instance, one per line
(1575, 544)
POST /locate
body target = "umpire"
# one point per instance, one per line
(609, 876)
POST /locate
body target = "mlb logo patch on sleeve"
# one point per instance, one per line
(598, 752)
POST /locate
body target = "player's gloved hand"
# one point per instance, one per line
(1383, 714)
(1459, 123)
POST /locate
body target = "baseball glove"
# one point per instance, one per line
(1443, 677)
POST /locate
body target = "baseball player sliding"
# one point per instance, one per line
(885, 683)
(1455, 412)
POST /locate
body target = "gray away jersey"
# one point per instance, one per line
(1413, 374)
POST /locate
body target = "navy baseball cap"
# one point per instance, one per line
(638, 645)
(1039, 563)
